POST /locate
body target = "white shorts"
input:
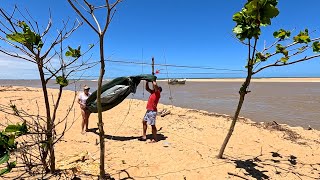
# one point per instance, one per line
(150, 117)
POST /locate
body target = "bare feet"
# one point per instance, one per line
(83, 132)
(153, 141)
(142, 139)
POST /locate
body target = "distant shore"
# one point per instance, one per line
(253, 80)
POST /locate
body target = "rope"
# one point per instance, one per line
(178, 66)
(166, 65)
(130, 102)
(171, 98)
(142, 73)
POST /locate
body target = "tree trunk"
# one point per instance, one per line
(49, 135)
(100, 123)
(233, 124)
(243, 91)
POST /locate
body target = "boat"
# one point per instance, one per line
(177, 81)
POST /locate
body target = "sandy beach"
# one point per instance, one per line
(189, 141)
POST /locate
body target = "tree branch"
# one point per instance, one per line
(285, 64)
(81, 15)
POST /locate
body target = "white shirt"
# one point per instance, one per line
(83, 97)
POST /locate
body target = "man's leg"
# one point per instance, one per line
(144, 133)
(154, 133)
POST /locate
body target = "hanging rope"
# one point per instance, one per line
(170, 97)
(142, 73)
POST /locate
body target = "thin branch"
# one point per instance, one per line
(285, 64)
(114, 4)
(273, 44)
(8, 19)
(17, 56)
(81, 15)
(65, 36)
(48, 25)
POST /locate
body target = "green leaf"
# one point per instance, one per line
(302, 37)
(62, 81)
(284, 59)
(4, 171)
(9, 168)
(316, 47)
(68, 53)
(256, 13)
(17, 129)
(270, 11)
(4, 158)
(11, 141)
(76, 53)
(285, 52)
(238, 29)
(28, 38)
(279, 48)
(282, 34)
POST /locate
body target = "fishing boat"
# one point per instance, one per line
(177, 81)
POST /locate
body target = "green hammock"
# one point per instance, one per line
(115, 91)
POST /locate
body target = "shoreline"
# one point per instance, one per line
(253, 80)
(262, 79)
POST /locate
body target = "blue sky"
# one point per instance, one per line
(180, 32)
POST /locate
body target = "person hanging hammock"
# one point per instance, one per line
(115, 91)
(151, 114)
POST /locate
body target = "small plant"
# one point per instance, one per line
(8, 144)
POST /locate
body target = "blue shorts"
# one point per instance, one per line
(150, 117)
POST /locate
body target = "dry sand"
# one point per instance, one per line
(189, 143)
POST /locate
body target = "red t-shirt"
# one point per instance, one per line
(153, 100)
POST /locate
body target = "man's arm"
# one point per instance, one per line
(147, 87)
(155, 86)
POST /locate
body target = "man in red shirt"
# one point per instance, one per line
(151, 114)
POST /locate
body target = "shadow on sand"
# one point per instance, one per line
(160, 136)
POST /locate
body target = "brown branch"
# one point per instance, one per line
(115, 3)
(8, 19)
(285, 64)
(48, 26)
(65, 36)
(81, 15)
(273, 44)
(17, 56)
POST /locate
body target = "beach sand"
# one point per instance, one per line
(188, 145)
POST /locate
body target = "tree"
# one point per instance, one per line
(25, 40)
(254, 15)
(100, 31)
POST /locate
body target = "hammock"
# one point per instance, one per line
(115, 91)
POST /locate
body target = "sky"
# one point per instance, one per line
(181, 32)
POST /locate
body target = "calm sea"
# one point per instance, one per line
(293, 103)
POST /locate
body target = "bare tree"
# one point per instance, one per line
(85, 8)
(249, 20)
(35, 44)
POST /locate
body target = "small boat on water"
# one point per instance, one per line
(177, 81)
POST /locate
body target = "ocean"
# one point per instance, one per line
(292, 103)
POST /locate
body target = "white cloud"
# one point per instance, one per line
(15, 68)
